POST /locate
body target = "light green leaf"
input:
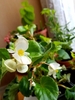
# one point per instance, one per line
(45, 39)
(34, 49)
(22, 28)
(47, 89)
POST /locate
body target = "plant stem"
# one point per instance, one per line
(63, 86)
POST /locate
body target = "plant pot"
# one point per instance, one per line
(30, 98)
(42, 32)
(8, 77)
(67, 63)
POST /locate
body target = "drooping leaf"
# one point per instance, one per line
(70, 93)
(47, 89)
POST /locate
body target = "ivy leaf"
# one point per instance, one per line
(47, 89)
(24, 87)
(70, 93)
(11, 90)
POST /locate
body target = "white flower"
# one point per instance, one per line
(19, 54)
(22, 68)
(53, 68)
(10, 64)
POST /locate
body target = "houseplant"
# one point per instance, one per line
(61, 33)
(35, 57)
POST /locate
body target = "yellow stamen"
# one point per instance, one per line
(56, 70)
(20, 52)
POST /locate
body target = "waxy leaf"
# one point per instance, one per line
(70, 93)
(47, 89)
(24, 87)
(34, 49)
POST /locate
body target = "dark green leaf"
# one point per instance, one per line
(47, 89)
(11, 90)
(70, 93)
(24, 87)
(3, 55)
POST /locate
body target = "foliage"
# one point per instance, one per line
(27, 13)
(11, 90)
(61, 33)
(36, 58)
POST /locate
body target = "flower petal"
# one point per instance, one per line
(26, 60)
(22, 68)
(55, 65)
(17, 57)
(22, 59)
(10, 64)
(21, 43)
(10, 51)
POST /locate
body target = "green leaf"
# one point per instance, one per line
(3, 55)
(32, 28)
(70, 93)
(27, 13)
(47, 89)
(34, 49)
(45, 39)
(63, 54)
(3, 69)
(24, 87)
(22, 28)
(11, 90)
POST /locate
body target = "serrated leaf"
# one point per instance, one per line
(24, 87)
(70, 93)
(47, 89)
